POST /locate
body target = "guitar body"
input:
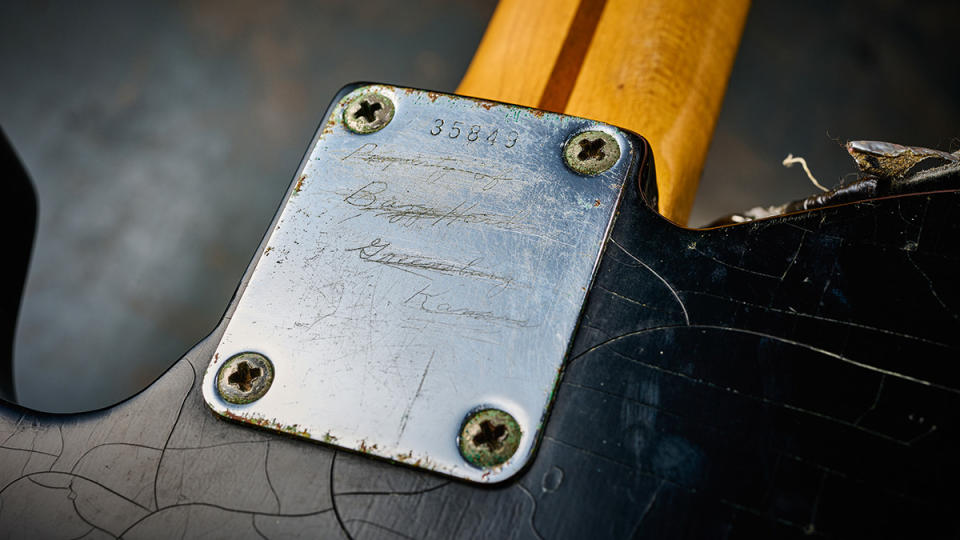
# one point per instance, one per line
(736, 382)
(790, 377)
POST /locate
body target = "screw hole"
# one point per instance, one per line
(591, 149)
(368, 111)
(244, 377)
(491, 435)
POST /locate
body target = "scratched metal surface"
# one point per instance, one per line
(734, 383)
(416, 274)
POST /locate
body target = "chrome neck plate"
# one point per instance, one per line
(433, 264)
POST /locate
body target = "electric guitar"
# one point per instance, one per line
(784, 377)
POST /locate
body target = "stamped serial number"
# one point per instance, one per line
(474, 133)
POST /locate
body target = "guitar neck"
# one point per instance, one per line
(658, 68)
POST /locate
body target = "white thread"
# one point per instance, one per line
(790, 160)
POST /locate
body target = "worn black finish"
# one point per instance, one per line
(788, 377)
(794, 375)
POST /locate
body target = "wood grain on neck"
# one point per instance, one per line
(658, 67)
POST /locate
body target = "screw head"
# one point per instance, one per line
(244, 378)
(488, 438)
(368, 113)
(591, 152)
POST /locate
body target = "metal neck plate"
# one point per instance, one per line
(430, 263)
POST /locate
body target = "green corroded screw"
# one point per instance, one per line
(244, 377)
(368, 113)
(591, 152)
(489, 437)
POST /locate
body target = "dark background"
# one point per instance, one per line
(162, 136)
(812, 75)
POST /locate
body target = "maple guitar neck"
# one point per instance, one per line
(658, 68)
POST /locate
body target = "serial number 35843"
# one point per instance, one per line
(475, 132)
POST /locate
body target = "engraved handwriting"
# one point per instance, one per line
(370, 198)
(376, 251)
(430, 302)
(437, 167)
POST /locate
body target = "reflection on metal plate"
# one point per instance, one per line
(420, 273)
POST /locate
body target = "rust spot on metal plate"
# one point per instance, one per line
(328, 129)
(265, 423)
(367, 449)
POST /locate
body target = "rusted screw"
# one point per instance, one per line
(488, 438)
(244, 377)
(368, 112)
(591, 152)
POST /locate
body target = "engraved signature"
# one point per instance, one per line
(438, 167)
(369, 198)
(376, 251)
(429, 303)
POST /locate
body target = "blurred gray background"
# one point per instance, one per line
(812, 75)
(162, 136)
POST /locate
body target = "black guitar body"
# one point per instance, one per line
(781, 378)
